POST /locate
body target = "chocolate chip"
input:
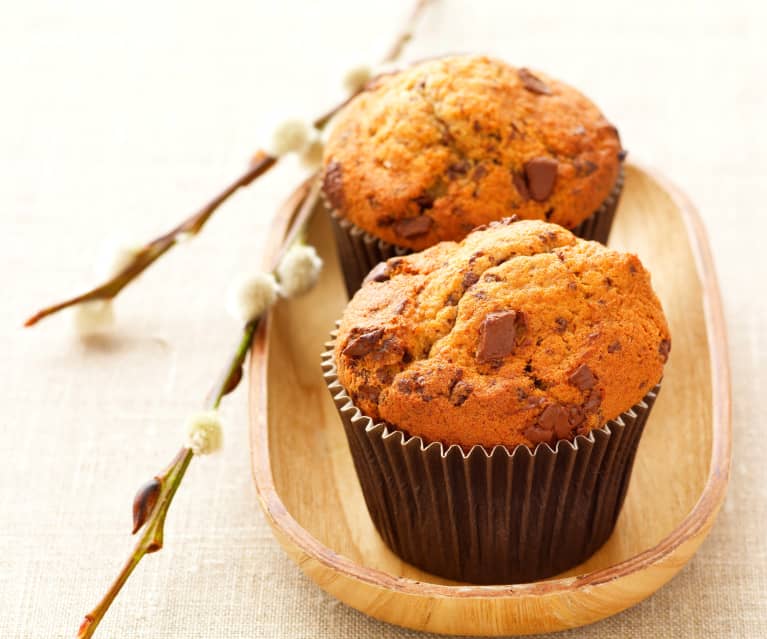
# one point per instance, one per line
(458, 169)
(541, 176)
(519, 182)
(561, 323)
(469, 279)
(479, 172)
(380, 273)
(539, 435)
(384, 376)
(497, 335)
(555, 418)
(363, 344)
(333, 185)
(577, 416)
(533, 83)
(585, 168)
(614, 347)
(424, 201)
(460, 393)
(583, 378)
(664, 349)
(369, 393)
(412, 226)
(592, 404)
(622, 154)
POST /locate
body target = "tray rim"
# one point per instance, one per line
(693, 528)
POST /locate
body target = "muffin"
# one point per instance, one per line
(429, 153)
(493, 393)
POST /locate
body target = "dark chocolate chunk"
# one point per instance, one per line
(460, 393)
(412, 226)
(664, 349)
(582, 378)
(539, 435)
(577, 416)
(380, 273)
(333, 185)
(585, 168)
(469, 279)
(561, 323)
(479, 172)
(555, 417)
(521, 185)
(369, 393)
(532, 83)
(424, 201)
(362, 344)
(614, 347)
(592, 404)
(541, 176)
(458, 169)
(497, 336)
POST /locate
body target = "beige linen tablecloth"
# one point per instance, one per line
(119, 118)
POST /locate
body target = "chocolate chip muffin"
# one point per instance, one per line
(429, 153)
(520, 334)
(519, 366)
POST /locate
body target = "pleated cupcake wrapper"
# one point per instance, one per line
(500, 516)
(359, 251)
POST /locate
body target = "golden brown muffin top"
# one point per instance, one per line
(520, 334)
(429, 153)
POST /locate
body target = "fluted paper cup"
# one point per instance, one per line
(491, 516)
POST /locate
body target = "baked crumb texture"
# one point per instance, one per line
(519, 334)
(431, 152)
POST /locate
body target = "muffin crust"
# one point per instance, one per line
(431, 152)
(520, 334)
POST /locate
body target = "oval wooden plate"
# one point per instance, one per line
(311, 497)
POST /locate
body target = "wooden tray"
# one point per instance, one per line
(311, 497)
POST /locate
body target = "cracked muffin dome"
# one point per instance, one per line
(431, 152)
(519, 334)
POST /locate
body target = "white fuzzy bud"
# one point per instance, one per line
(357, 77)
(204, 432)
(288, 137)
(248, 297)
(299, 270)
(94, 317)
(311, 156)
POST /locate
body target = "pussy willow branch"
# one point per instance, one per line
(260, 164)
(169, 480)
(151, 539)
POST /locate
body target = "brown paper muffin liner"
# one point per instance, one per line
(359, 251)
(500, 516)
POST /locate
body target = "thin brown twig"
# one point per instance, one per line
(406, 34)
(168, 481)
(157, 247)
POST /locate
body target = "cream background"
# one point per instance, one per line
(118, 118)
